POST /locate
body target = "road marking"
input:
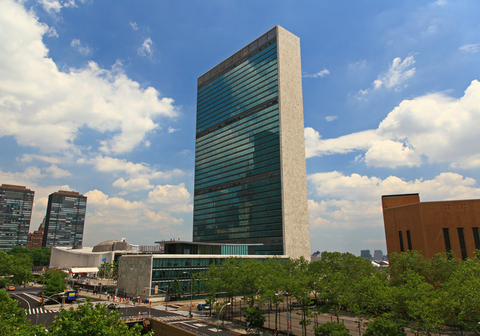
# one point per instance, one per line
(23, 300)
(31, 296)
(37, 311)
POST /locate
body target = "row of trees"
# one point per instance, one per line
(86, 320)
(416, 293)
(40, 256)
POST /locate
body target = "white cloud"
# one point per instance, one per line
(322, 73)
(111, 216)
(84, 50)
(57, 172)
(45, 108)
(45, 158)
(171, 129)
(331, 118)
(176, 196)
(54, 6)
(435, 126)
(146, 48)
(398, 72)
(139, 170)
(470, 48)
(133, 25)
(355, 201)
(134, 184)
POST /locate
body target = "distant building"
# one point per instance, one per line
(365, 254)
(35, 239)
(250, 172)
(431, 227)
(16, 204)
(377, 255)
(316, 256)
(65, 219)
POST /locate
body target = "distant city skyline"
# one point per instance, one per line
(100, 97)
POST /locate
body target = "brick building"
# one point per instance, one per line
(431, 227)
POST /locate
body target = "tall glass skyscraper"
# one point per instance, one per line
(250, 175)
(16, 204)
(65, 219)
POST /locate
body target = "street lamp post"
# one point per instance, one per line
(191, 296)
(288, 314)
(220, 313)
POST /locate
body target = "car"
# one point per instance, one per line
(203, 306)
(113, 305)
(11, 288)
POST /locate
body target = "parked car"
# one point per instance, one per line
(11, 288)
(203, 306)
(113, 305)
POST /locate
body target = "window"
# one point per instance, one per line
(476, 238)
(400, 236)
(409, 240)
(461, 239)
(446, 236)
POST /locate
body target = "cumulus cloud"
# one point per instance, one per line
(355, 201)
(57, 172)
(110, 164)
(322, 73)
(114, 215)
(146, 48)
(54, 6)
(331, 118)
(43, 107)
(171, 129)
(398, 72)
(84, 50)
(470, 48)
(435, 126)
(134, 184)
(176, 197)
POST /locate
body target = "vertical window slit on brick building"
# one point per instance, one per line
(400, 236)
(446, 236)
(476, 238)
(409, 240)
(461, 239)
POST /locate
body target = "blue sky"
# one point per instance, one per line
(99, 97)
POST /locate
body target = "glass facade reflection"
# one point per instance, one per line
(65, 219)
(237, 158)
(16, 204)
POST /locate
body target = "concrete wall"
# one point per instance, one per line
(68, 258)
(131, 268)
(296, 231)
(163, 329)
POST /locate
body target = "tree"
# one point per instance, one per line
(254, 316)
(271, 285)
(106, 270)
(90, 320)
(382, 326)
(331, 329)
(55, 281)
(13, 320)
(40, 256)
(15, 269)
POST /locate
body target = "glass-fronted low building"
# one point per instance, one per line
(150, 276)
(250, 173)
(16, 204)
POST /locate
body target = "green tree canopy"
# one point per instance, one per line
(90, 320)
(331, 329)
(55, 281)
